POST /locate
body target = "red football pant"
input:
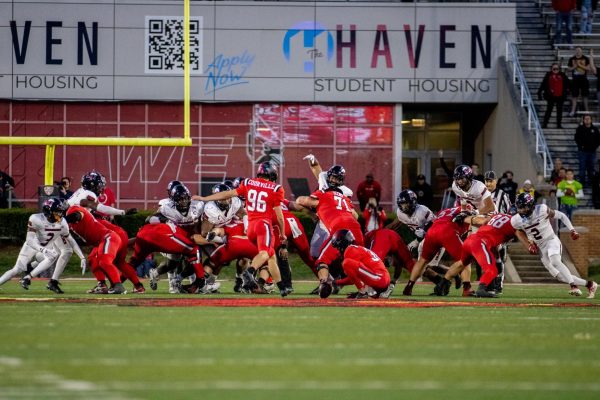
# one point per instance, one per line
(234, 249)
(102, 258)
(164, 239)
(439, 236)
(360, 275)
(260, 233)
(329, 254)
(476, 248)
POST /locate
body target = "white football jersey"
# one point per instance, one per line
(324, 185)
(167, 208)
(47, 232)
(475, 196)
(419, 219)
(81, 194)
(537, 226)
(220, 218)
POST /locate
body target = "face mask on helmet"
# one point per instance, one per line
(267, 171)
(342, 239)
(407, 201)
(336, 176)
(94, 182)
(463, 176)
(222, 204)
(525, 205)
(53, 210)
(181, 197)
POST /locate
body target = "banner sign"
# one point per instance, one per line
(253, 51)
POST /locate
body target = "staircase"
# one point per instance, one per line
(537, 53)
(528, 266)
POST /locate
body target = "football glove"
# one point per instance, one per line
(574, 234)
(533, 249)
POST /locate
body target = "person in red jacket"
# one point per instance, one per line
(367, 189)
(362, 266)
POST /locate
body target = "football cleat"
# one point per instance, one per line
(387, 292)
(482, 292)
(592, 290)
(248, 281)
(53, 286)
(468, 293)
(100, 288)
(269, 287)
(118, 288)
(153, 276)
(211, 288)
(25, 282)
(407, 291)
(357, 295)
(315, 290)
(442, 288)
(140, 289)
(286, 291)
(575, 292)
(237, 287)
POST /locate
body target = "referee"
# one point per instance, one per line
(502, 204)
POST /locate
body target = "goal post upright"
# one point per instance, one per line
(52, 142)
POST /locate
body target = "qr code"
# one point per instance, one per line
(164, 44)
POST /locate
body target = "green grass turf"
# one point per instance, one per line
(55, 350)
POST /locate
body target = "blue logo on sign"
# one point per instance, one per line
(309, 30)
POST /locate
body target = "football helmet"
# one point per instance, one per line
(222, 204)
(407, 201)
(181, 197)
(525, 204)
(267, 171)
(237, 181)
(171, 185)
(336, 176)
(93, 181)
(463, 176)
(342, 239)
(53, 209)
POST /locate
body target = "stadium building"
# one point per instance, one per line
(378, 87)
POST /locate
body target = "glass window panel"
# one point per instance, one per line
(365, 135)
(449, 140)
(316, 114)
(365, 115)
(306, 134)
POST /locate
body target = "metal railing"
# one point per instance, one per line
(533, 122)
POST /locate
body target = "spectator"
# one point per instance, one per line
(554, 89)
(64, 188)
(107, 197)
(7, 184)
(557, 166)
(509, 186)
(562, 174)
(423, 191)
(367, 189)
(374, 216)
(587, 138)
(477, 175)
(579, 64)
(528, 188)
(568, 191)
(587, 8)
(564, 9)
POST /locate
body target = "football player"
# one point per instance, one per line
(170, 231)
(43, 231)
(533, 224)
(333, 177)
(362, 267)
(417, 217)
(481, 246)
(336, 211)
(263, 198)
(445, 232)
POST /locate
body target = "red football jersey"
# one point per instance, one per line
(366, 257)
(498, 230)
(445, 217)
(261, 196)
(334, 209)
(88, 227)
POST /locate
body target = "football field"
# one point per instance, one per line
(535, 342)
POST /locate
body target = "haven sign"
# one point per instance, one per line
(254, 51)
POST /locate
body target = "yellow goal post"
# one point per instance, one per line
(51, 142)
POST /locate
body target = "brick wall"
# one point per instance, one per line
(587, 223)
